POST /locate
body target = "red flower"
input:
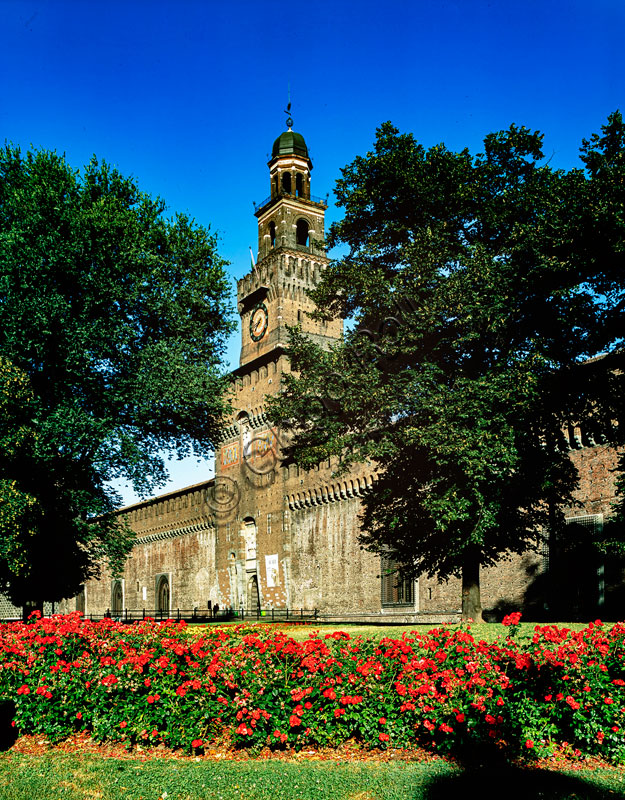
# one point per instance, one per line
(382, 720)
(196, 743)
(79, 715)
(123, 724)
(384, 737)
(608, 701)
(490, 719)
(23, 689)
(529, 744)
(294, 721)
(460, 717)
(511, 619)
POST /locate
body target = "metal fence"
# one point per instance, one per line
(269, 615)
(203, 615)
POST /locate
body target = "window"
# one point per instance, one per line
(272, 233)
(286, 182)
(299, 184)
(396, 590)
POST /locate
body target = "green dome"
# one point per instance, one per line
(289, 143)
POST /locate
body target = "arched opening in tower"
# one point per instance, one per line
(301, 232)
(286, 182)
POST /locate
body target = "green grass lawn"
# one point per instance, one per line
(483, 630)
(57, 776)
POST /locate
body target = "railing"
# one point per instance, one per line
(322, 201)
(269, 615)
(204, 615)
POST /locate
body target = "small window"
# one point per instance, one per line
(396, 590)
(286, 182)
(299, 184)
(302, 232)
(272, 233)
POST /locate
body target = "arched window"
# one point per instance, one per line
(286, 182)
(272, 233)
(301, 232)
(299, 184)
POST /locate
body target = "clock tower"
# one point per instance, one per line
(251, 477)
(291, 259)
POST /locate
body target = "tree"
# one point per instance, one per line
(113, 322)
(478, 287)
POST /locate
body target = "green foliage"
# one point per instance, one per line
(478, 288)
(113, 321)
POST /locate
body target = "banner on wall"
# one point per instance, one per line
(271, 567)
(229, 455)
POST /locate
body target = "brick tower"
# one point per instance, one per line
(253, 538)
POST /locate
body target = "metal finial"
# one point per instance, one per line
(289, 118)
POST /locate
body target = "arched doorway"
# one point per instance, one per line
(80, 600)
(163, 595)
(253, 599)
(117, 598)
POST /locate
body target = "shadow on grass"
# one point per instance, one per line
(8, 734)
(486, 775)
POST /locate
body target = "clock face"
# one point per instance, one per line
(259, 319)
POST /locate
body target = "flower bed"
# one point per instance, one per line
(151, 683)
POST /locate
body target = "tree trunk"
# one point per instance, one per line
(471, 601)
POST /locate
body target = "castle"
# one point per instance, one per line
(263, 534)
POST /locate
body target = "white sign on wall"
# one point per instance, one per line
(271, 566)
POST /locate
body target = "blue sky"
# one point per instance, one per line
(188, 96)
